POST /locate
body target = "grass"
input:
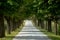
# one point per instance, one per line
(49, 34)
(12, 35)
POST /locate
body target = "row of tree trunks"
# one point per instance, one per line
(41, 23)
(12, 24)
(48, 26)
(17, 24)
(2, 28)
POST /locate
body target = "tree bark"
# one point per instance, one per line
(2, 28)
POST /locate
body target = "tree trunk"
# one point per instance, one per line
(42, 24)
(13, 24)
(2, 28)
(35, 22)
(49, 25)
(56, 32)
(19, 23)
(46, 25)
(38, 22)
(9, 24)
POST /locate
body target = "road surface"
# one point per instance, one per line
(29, 32)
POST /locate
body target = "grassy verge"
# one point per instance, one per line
(12, 35)
(50, 35)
